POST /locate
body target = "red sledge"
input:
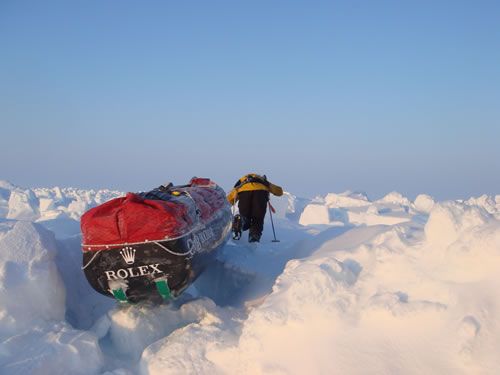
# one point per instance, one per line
(153, 245)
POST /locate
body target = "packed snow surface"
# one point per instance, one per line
(355, 286)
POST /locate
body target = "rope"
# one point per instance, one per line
(91, 259)
(172, 252)
(107, 246)
(156, 243)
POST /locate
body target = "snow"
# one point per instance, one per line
(396, 198)
(448, 220)
(52, 349)
(57, 209)
(32, 290)
(424, 203)
(315, 214)
(353, 287)
(35, 337)
(350, 208)
(347, 199)
(284, 205)
(23, 205)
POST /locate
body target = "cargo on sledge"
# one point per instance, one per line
(151, 246)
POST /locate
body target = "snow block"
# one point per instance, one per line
(185, 350)
(132, 330)
(31, 290)
(424, 203)
(484, 201)
(315, 214)
(23, 205)
(448, 220)
(347, 199)
(395, 198)
(283, 205)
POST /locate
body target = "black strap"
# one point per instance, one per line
(248, 179)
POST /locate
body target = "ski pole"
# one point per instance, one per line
(271, 209)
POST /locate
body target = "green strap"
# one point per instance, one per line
(163, 289)
(120, 295)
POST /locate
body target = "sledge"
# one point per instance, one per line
(151, 246)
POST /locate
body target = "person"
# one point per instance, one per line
(252, 194)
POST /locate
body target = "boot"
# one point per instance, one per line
(252, 237)
(236, 227)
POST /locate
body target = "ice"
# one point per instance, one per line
(284, 205)
(484, 201)
(350, 208)
(53, 349)
(353, 287)
(395, 198)
(133, 329)
(376, 216)
(32, 291)
(424, 203)
(448, 220)
(315, 214)
(23, 205)
(5, 191)
(347, 199)
(4, 206)
(57, 209)
(7, 185)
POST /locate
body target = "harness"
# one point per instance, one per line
(249, 178)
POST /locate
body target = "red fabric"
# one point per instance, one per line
(132, 219)
(200, 181)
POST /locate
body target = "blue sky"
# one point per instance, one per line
(319, 95)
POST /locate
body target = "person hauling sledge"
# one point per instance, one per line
(252, 194)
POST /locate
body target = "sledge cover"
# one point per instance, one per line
(143, 217)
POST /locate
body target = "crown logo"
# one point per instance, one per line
(128, 254)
